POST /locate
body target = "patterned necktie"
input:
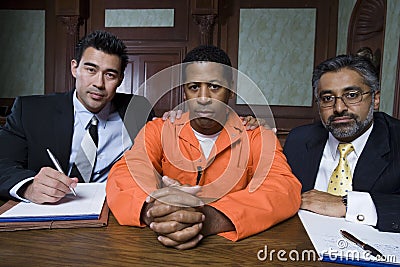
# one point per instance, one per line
(86, 157)
(341, 179)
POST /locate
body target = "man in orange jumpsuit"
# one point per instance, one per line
(204, 174)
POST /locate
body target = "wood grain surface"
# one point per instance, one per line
(117, 245)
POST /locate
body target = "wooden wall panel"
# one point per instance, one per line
(153, 49)
(286, 117)
(147, 65)
(367, 28)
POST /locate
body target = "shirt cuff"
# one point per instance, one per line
(361, 209)
(15, 188)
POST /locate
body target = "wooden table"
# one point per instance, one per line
(117, 245)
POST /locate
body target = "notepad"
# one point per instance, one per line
(87, 205)
(324, 232)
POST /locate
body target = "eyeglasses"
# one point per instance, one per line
(349, 98)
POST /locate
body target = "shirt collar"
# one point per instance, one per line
(84, 115)
(232, 131)
(358, 143)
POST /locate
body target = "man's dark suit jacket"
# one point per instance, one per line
(377, 170)
(47, 121)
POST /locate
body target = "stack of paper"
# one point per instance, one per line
(324, 233)
(87, 209)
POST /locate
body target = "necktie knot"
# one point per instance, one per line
(345, 149)
(94, 121)
(93, 130)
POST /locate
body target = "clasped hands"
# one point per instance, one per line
(175, 214)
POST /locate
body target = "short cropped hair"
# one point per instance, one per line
(105, 42)
(362, 65)
(210, 53)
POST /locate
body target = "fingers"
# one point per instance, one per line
(163, 213)
(168, 227)
(172, 115)
(182, 201)
(185, 234)
(165, 115)
(187, 245)
(49, 185)
(160, 209)
(184, 239)
(169, 181)
(250, 122)
(179, 113)
(177, 197)
(245, 120)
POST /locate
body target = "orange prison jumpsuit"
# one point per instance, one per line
(246, 174)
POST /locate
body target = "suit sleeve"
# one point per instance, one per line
(13, 151)
(388, 210)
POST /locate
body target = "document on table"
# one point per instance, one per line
(324, 233)
(86, 205)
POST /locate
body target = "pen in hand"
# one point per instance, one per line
(58, 167)
(361, 244)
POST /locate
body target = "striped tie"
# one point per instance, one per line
(86, 157)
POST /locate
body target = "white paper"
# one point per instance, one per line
(89, 200)
(324, 233)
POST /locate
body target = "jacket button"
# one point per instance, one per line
(360, 217)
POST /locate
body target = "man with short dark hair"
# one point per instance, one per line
(348, 163)
(59, 122)
(204, 174)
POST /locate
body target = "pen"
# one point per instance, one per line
(361, 244)
(58, 167)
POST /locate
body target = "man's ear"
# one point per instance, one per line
(74, 66)
(377, 99)
(232, 90)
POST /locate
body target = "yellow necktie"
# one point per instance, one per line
(341, 178)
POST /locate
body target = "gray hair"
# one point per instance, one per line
(360, 64)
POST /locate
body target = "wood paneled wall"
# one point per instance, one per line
(152, 49)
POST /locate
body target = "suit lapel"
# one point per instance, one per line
(314, 147)
(372, 161)
(63, 125)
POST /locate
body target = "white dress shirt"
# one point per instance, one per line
(113, 137)
(113, 141)
(360, 207)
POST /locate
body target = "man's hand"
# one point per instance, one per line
(49, 186)
(252, 123)
(323, 203)
(172, 115)
(175, 214)
(176, 226)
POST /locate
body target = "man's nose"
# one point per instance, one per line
(99, 80)
(339, 106)
(204, 97)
